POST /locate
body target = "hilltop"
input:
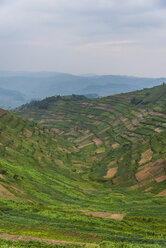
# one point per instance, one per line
(85, 170)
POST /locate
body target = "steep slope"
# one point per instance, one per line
(55, 186)
(30, 156)
(120, 139)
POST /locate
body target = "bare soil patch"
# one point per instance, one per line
(61, 164)
(83, 138)
(78, 171)
(121, 158)
(111, 172)
(115, 145)
(136, 186)
(85, 131)
(143, 111)
(139, 115)
(28, 133)
(42, 121)
(104, 215)
(104, 130)
(146, 157)
(59, 118)
(103, 105)
(97, 141)
(124, 119)
(135, 122)
(57, 130)
(90, 116)
(84, 145)
(5, 194)
(160, 179)
(162, 193)
(158, 114)
(14, 151)
(130, 127)
(158, 130)
(72, 132)
(150, 171)
(143, 175)
(87, 103)
(148, 189)
(2, 112)
(64, 150)
(100, 107)
(97, 123)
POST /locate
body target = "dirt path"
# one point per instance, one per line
(49, 241)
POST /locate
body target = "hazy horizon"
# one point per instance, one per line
(75, 74)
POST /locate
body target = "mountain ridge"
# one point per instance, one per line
(38, 85)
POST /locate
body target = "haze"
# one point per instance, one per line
(80, 36)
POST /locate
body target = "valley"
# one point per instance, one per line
(90, 172)
(120, 134)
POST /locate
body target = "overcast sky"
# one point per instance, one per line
(126, 37)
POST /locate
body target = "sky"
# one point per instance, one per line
(123, 37)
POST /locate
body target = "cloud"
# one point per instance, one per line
(71, 14)
(99, 45)
(61, 28)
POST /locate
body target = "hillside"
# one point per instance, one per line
(123, 136)
(29, 156)
(79, 174)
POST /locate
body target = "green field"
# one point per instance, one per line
(87, 171)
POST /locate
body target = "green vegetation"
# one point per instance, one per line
(86, 170)
(104, 244)
(126, 130)
(33, 244)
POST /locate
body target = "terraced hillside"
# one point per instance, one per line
(76, 180)
(120, 139)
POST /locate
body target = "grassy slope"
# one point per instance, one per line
(41, 195)
(127, 131)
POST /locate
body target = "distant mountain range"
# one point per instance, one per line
(17, 88)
